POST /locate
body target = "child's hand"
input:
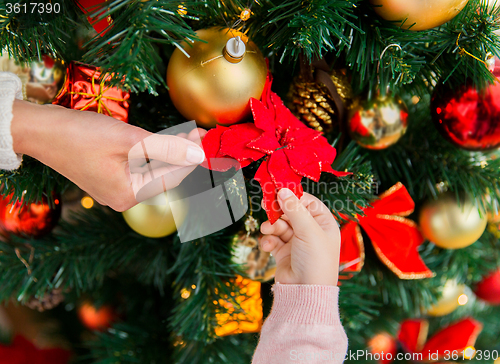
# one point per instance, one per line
(305, 242)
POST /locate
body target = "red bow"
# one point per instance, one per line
(22, 351)
(394, 238)
(452, 340)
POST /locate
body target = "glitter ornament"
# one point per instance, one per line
(379, 123)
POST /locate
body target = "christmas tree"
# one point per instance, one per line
(394, 101)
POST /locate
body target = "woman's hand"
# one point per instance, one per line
(305, 242)
(92, 150)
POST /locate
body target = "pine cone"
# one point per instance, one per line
(313, 104)
(47, 302)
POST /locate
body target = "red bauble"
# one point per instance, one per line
(96, 318)
(489, 288)
(34, 219)
(384, 347)
(468, 118)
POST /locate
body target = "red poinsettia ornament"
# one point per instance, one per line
(291, 150)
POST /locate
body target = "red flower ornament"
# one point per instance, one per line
(290, 149)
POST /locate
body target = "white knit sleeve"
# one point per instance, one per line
(10, 89)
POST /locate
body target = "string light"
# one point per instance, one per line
(245, 14)
(87, 202)
(182, 10)
(469, 352)
(463, 299)
(185, 293)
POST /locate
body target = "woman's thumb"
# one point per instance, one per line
(172, 149)
(299, 217)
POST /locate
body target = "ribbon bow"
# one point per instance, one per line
(394, 238)
(452, 340)
(22, 351)
(97, 95)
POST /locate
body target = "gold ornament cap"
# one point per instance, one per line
(235, 50)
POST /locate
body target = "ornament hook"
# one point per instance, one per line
(235, 49)
(380, 60)
(463, 51)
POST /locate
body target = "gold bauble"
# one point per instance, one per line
(379, 123)
(42, 81)
(210, 89)
(449, 301)
(259, 265)
(418, 14)
(153, 218)
(452, 224)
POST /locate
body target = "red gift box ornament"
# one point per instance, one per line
(448, 342)
(394, 238)
(290, 149)
(90, 6)
(83, 90)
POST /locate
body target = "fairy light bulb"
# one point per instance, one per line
(463, 299)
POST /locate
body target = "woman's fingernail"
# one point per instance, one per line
(195, 155)
(284, 193)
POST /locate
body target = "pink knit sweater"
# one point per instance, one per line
(303, 327)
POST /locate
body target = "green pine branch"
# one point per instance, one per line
(79, 255)
(129, 48)
(32, 181)
(24, 35)
(293, 28)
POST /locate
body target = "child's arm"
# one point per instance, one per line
(304, 324)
